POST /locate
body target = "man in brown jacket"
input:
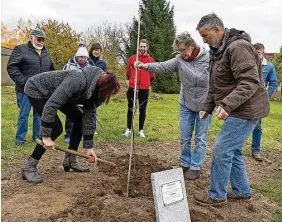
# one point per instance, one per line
(238, 95)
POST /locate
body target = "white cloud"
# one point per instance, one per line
(260, 18)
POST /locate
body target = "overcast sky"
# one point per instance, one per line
(262, 19)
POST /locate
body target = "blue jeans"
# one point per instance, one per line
(257, 138)
(228, 162)
(22, 127)
(188, 121)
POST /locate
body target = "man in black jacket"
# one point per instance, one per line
(26, 61)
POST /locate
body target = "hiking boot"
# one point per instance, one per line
(257, 156)
(127, 132)
(71, 163)
(192, 174)
(29, 171)
(205, 200)
(233, 197)
(141, 134)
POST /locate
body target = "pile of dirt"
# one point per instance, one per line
(100, 194)
(141, 170)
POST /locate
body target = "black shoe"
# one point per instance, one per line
(70, 162)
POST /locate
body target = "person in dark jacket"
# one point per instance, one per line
(95, 57)
(143, 84)
(62, 90)
(26, 61)
(239, 97)
(270, 80)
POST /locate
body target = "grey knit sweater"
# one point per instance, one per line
(65, 86)
(194, 77)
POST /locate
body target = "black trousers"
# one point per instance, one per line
(73, 112)
(69, 125)
(142, 96)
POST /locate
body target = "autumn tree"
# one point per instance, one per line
(13, 37)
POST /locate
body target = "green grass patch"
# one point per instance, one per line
(273, 190)
(278, 215)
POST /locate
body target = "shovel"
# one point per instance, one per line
(38, 141)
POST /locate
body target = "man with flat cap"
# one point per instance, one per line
(26, 61)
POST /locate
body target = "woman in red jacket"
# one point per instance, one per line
(144, 79)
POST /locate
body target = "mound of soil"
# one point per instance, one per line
(141, 170)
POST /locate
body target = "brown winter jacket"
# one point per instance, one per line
(236, 82)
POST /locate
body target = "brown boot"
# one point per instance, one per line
(257, 156)
(29, 171)
(70, 162)
(205, 200)
(192, 174)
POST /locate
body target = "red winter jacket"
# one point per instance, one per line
(144, 78)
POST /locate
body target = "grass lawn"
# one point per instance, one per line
(161, 126)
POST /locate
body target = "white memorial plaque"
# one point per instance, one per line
(172, 192)
(170, 198)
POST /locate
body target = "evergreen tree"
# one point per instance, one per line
(157, 26)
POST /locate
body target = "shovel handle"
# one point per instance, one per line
(38, 141)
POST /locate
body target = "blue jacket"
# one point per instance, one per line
(98, 62)
(269, 77)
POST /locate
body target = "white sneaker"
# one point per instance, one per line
(95, 133)
(141, 134)
(127, 132)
